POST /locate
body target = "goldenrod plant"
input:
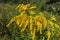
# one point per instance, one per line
(38, 23)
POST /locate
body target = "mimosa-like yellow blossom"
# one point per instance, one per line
(42, 19)
(33, 7)
(39, 26)
(38, 18)
(48, 35)
(31, 26)
(32, 12)
(18, 19)
(23, 7)
(44, 22)
(31, 19)
(24, 25)
(18, 6)
(28, 5)
(51, 23)
(22, 21)
(31, 22)
(53, 18)
(41, 13)
(33, 34)
(10, 22)
(57, 26)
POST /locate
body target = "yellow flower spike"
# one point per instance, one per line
(33, 34)
(33, 7)
(22, 15)
(41, 14)
(23, 19)
(31, 22)
(32, 12)
(48, 35)
(18, 21)
(31, 19)
(53, 18)
(24, 26)
(18, 6)
(23, 12)
(23, 7)
(39, 25)
(57, 26)
(28, 5)
(31, 26)
(42, 19)
(11, 21)
(26, 23)
(45, 22)
(51, 23)
(38, 18)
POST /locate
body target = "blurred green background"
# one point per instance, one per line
(7, 11)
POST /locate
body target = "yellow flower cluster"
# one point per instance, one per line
(37, 23)
(48, 34)
(53, 18)
(23, 20)
(23, 7)
(33, 34)
(32, 12)
(53, 25)
(20, 19)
